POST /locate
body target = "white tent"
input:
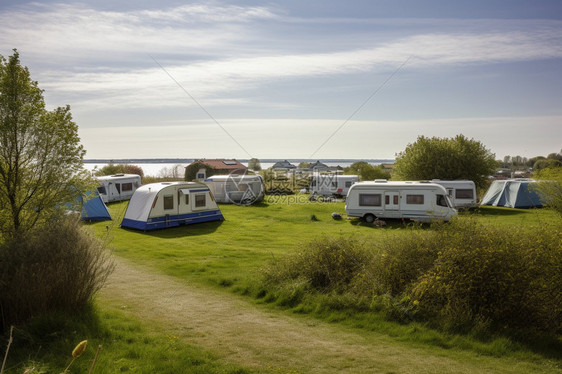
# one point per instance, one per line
(168, 204)
(512, 193)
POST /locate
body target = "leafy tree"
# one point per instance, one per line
(367, 171)
(254, 164)
(446, 158)
(555, 156)
(40, 153)
(549, 186)
(304, 165)
(546, 163)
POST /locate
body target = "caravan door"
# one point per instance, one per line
(392, 204)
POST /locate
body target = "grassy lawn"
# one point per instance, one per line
(229, 254)
(46, 344)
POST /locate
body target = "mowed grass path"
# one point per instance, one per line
(180, 279)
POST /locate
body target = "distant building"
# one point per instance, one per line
(318, 166)
(283, 165)
(219, 166)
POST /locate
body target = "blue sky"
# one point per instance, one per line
(295, 79)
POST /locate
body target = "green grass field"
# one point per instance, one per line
(227, 256)
(230, 252)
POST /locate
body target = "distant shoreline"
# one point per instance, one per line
(190, 160)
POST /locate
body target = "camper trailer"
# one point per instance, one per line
(332, 184)
(168, 204)
(461, 192)
(236, 188)
(418, 201)
(118, 187)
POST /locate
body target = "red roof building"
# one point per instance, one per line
(220, 166)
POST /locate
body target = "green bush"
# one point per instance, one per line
(58, 267)
(324, 265)
(504, 278)
(458, 276)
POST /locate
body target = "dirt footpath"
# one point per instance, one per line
(237, 331)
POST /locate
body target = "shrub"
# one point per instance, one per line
(58, 267)
(458, 276)
(324, 265)
(549, 187)
(487, 275)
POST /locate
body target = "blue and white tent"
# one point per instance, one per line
(168, 204)
(94, 208)
(512, 193)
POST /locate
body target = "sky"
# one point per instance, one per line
(354, 79)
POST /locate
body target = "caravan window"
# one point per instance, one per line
(168, 202)
(464, 194)
(348, 184)
(101, 190)
(200, 201)
(186, 199)
(414, 199)
(441, 201)
(118, 187)
(367, 199)
(127, 187)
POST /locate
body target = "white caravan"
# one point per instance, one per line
(118, 187)
(418, 201)
(332, 184)
(236, 188)
(169, 204)
(461, 192)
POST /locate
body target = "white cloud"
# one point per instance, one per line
(214, 79)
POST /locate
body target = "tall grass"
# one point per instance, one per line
(457, 277)
(60, 266)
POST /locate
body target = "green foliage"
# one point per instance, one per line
(487, 275)
(112, 169)
(60, 267)
(323, 265)
(546, 163)
(462, 275)
(549, 187)
(40, 153)
(254, 164)
(446, 159)
(192, 169)
(367, 171)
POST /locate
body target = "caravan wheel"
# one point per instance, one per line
(369, 218)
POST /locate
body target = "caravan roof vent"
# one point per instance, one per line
(118, 175)
(380, 181)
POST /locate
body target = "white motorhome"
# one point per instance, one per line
(236, 188)
(118, 187)
(168, 204)
(418, 201)
(461, 192)
(331, 184)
